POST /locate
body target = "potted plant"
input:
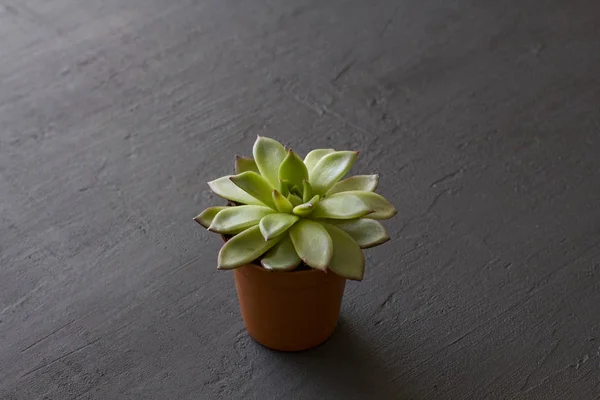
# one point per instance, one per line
(294, 232)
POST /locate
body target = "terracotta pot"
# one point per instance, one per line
(289, 311)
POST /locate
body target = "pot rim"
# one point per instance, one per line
(294, 271)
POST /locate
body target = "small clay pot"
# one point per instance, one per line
(289, 311)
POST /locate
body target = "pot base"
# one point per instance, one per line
(289, 311)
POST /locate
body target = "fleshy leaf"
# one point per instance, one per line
(365, 183)
(282, 257)
(275, 224)
(256, 186)
(206, 217)
(342, 206)
(348, 260)
(292, 169)
(312, 243)
(307, 208)
(307, 193)
(268, 154)
(281, 203)
(226, 189)
(295, 200)
(237, 219)
(366, 232)
(244, 164)
(331, 169)
(284, 188)
(383, 208)
(314, 157)
(244, 247)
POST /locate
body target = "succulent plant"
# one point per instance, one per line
(287, 211)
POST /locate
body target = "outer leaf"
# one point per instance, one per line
(348, 259)
(293, 169)
(383, 208)
(268, 154)
(244, 164)
(256, 186)
(295, 200)
(366, 232)
(330, 169)
(282, 204)
(206, 217)
(226, 189)
(366, 183)
(308, 191)
(275, 224)
(342, 206)
(237, 219)
(307, 208)
(244, 247)
(282, 257)
(314, 157)
(312, 243)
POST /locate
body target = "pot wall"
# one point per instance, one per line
(289, 311)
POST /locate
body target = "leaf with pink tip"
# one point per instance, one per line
(314, 157)
(275, 224)
(383, 209)
(244, 164)
(256, 186)
(244, 248)
(225, 188)
(282, 204)
(366, 232)
(312, 243)
(206, 217)
(233, 220)
(282, 257)
(365, 183)
(293, 170)
(341, 206)
(348, 260)
(331, 169)
(268, 155)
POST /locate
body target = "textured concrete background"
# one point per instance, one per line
(483, 119)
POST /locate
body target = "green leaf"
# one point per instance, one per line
(275, 224)
(307, 208)
(282, 257)
(237, 219)
(312, 243)
(307, 192)
(342, 206)
(314, 157)
(330, 169)
(206, 217)
(268, 154)
(366, 183)
(226, 189)
(256, 186)
(383, 208)
(295, 200)
(348, 260)
(284, 188)
(244, 248)
(283, 205)
(292, 169)
(366, 232)
(244, 164)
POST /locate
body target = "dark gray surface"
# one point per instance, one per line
(483, 119)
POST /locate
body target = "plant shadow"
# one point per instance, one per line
(346, 367)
